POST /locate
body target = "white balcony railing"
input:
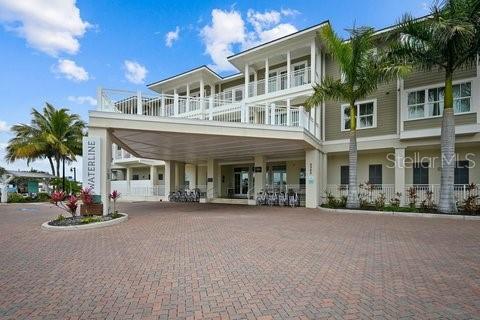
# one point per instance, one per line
(279, 82)
(208, 108)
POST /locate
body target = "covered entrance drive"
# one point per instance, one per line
(223, 160)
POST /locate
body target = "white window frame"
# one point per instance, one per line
(346, 105)
(405, 105)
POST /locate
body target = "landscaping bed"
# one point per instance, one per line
(82, 220)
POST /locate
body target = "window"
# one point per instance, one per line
(299, 75)
(461, 175)
(366, 115)
(135, 177)
(238, 95)
(344, 175)
(375, 174)
(420, 173)
(160, 176)
(429, 102)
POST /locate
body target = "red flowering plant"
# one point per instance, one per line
(63, 202)
(86, 195)
(114, 196)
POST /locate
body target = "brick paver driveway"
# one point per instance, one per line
(213, 261)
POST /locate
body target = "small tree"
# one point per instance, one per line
(68, 204)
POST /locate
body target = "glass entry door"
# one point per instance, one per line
(241, 182)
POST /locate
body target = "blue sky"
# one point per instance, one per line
(60, 51)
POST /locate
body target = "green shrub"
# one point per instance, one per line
(88, 220)
(16, 198)
(43, 197)
(60, 217)
(380, 202)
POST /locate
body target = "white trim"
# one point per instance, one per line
(404, 98)
(362, 139)
(346, 105)
(434, 132)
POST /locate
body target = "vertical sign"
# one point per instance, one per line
(92, 163)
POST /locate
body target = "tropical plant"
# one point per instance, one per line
(54, 134)
(448, 40)
(363, 67)
(68, 204)
(114, 197)
(412, 197)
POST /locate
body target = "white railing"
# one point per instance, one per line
(207, 108)
(127, 191)
(417, 193)
(423, 191)
(300, 77)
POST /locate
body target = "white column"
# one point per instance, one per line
(169, 177)
(255, 81)
(247, 113)
(175, 102)
(153, 175)
(139, 102)
(212, 178)
(313, 64)
(179, 175)
(242, 112)
(202, 103)
(162, 105)
(128, 178)
(323, 175)
(400, 173)
(288, 69)
(247, 80)
(301, 117)
(210, 108)
(272, 114)
(266, 75)
(312, 187)
(260, 177)
(289, 113)
(104, 164)
(188, 97)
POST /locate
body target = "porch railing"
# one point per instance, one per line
(421, 192)
(207, 108)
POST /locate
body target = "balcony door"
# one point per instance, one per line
(299, 74)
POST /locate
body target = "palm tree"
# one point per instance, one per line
(363, 68)
(53, 134)
(448, 39)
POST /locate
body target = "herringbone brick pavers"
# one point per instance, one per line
(198, 261)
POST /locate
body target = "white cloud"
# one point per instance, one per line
(134, 71)
(51, 26)
(70, 70)
(228, 29)
(4, 127)
(83, 100)
(172, 36)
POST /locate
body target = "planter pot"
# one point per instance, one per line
(94, 209)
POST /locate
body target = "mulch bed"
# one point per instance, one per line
(75, 221)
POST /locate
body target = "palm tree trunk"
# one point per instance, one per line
(58, 166)
(352, 199)
(447, 199)
(52, 167)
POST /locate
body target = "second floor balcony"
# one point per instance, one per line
(212, 108)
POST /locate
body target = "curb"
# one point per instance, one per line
(403, 214)
(95, 225)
